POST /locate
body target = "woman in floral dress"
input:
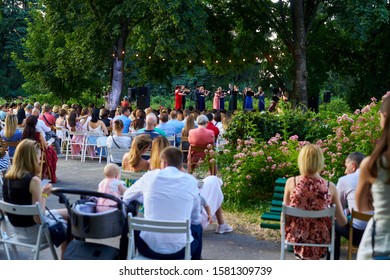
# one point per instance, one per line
(310, 191)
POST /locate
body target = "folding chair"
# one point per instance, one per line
(172, 140)
(101, 142)
(295, 212)
(168, 227)
(359, 216)
(89, 146)
(43, 231)
(80, 136)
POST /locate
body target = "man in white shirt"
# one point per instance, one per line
(346, 187)
(47, 132)
(167, 194)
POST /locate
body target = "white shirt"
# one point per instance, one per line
(168, 194)
(346, 187)
(41, 124)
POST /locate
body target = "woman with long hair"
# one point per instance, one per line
(133, 161)
(139, 121)
(373, 192)
(95, 125)
(23, 187)
(74, 124)
(159, 144)
(11, 133)
(50, 164)
(309, 191)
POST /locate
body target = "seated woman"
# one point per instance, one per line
(118, 142)
(212, 193)
(10, 133)
(95, 125)
(190, 124)
(133, 161)
(74, 124)
(50, 165)
(310, 191)
(199, 137)
(159, 144)
(23, 187)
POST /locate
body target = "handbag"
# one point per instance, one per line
(57, 231)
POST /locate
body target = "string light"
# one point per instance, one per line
(136, 55)
(204, 62)
(230, 61)
(150, 57)
(243, 59)
(123, 52)
(189, 61)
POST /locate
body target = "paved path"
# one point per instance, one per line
(74, 174)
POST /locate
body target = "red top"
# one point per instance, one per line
(178, 99)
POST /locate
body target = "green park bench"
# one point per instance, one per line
(271, 219)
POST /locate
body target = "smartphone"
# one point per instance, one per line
(44, 182)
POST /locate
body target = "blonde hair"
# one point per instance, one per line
(25, 160)
(190, 124)
(112, 170)
(11, 124)
(310, 160)
(139, 144)
(158, 144)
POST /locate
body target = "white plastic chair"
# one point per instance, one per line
(101, 142)
(168, 227)
(172, 140)
(70, 144)
(43, 231)
(115, 154)
(295, 212)
(89, 145)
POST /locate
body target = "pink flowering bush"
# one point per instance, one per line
(250, 167)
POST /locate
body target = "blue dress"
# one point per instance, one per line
(261, 104)
(248, 100)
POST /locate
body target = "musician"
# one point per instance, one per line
(261, 95)
(201, 98)
(249, 93)
(178, 97)
(217, 99)
(185, 91)
(233, 98)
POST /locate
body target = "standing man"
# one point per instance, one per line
(346, 187)
(171, 195)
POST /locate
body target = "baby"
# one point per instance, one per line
(110, 185)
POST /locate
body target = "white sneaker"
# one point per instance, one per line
(224, 228)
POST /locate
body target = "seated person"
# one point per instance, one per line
(111, 184)
(23, 187)
(346, 187)
(118, 141)
(171, 195)
(133, 161)
(212, 193)
(202, 137)
(150, 127)
(310, 191)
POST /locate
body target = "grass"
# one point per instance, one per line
(247, 222)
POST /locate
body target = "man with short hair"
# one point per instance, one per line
(171, 195)
(164, 126)
(150, 127)
(124, 117)
(173, 122)
(346, 187)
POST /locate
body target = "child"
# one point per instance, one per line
(110, 185)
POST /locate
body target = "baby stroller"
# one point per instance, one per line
(84, 222)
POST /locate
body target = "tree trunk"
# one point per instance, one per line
(300, 62)
(118, 68)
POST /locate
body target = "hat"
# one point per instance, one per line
(29, 107)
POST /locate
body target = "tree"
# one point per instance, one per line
(13, 29)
